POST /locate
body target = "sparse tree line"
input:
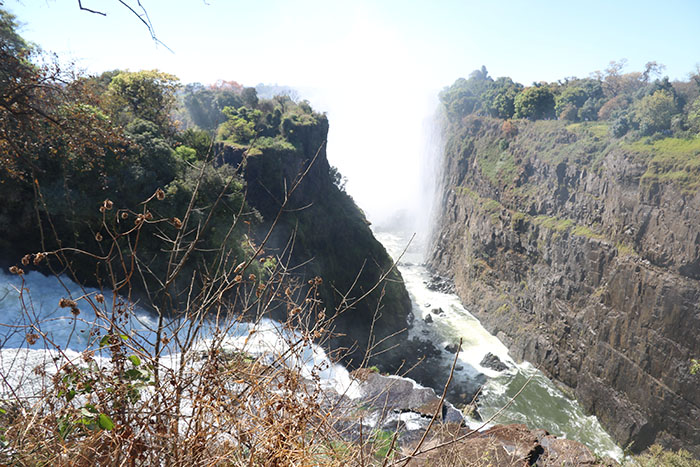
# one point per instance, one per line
(637, 103)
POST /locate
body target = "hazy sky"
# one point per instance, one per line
(374, 66)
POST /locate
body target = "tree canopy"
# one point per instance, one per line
(641, 103)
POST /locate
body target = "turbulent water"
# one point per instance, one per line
(32, 307)
(540, 404)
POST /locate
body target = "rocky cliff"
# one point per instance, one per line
(321, 232)
(582, 253)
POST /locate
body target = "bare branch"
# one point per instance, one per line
(80, 4)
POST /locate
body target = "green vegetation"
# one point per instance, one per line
(624, 249)
(584, 231)
(629, 102)
(534, 103)
(670, 160)
(656, 119)
(554, 223)
(497, 164)
(560, 225)
(382, 441)
(694, 366)
(656, 456)
(99, 183)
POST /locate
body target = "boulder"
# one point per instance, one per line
(492, 361)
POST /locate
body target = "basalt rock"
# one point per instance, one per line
(581, 257)
(492, 361)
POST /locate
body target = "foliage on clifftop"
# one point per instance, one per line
(78, 147)
(629, 102)
(582, 120)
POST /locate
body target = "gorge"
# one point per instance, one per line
(556, 229)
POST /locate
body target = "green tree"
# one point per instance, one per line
(499, 100)
(205, 104)
(8, 33)
(464, 96)
(240, 126)
(535, 103)
(147, 94)
(572, 98)
(199, 140)
(654, 112)
(249, 96)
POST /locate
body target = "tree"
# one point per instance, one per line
(249, 97)
(499, 100)
(613, 107)
(8, 33)
(652, 68)
(147, 94)
(200, 104)
(654, 113)
(464, 96)
(535, 103)
(694, 116)
(571, 99)
(240, 126)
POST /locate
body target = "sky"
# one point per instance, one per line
(374, 66)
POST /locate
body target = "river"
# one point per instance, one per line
(541, 404)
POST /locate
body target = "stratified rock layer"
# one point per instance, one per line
(569, 247)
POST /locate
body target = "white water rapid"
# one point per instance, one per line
(39, 303)
(540, 405)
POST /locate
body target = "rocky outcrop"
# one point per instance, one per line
(571, 248)
(492, 361)
(321, 232)
(393, 404)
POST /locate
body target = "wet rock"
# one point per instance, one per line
(492, 361)
(440, 284)
(395, 393)
(437, 311)
(452, 348)
(428, 319)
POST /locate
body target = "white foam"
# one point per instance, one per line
(32, 305)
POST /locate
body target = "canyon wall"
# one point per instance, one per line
(582, 253)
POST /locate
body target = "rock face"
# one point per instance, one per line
(583, 258)
(321, 232)
(393, 403)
